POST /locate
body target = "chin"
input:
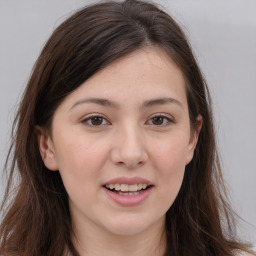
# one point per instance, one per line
(132, 225)
(127, 231)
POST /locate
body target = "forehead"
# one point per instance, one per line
(141, 75)
(139, 64)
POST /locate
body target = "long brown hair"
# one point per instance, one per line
(36, 212)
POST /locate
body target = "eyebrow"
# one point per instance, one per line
(108, 103)
(161, 101)
(98, 101)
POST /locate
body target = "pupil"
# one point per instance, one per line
(158, 120)
(97, 120)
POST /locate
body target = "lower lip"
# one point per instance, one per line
(129, 200)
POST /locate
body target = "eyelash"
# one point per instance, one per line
(167, 119)
(88, 120)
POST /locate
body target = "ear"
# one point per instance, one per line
(194, 138)
(46, 149)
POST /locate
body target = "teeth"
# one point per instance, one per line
(144, 186)
(111, 186)
(126, 187)
(117, 186)
(139, 186)
(133, 187)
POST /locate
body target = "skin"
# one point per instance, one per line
(127, 141)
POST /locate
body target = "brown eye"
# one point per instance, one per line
(95, 121)
(158, 120)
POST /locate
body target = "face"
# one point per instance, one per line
(121, 142)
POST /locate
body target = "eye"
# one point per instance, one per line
(95, 121)
(160, 120)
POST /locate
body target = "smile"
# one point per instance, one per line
(126, 189)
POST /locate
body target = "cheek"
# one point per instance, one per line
(170, 156)
(80, 161)
(79, 153)
(169, 160)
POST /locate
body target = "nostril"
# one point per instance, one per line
(124, 154)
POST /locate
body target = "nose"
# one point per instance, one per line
(129, 147)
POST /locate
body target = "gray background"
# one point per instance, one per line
(223, 36)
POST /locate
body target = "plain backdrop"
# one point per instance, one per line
(223, 36)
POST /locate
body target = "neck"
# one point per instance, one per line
(94, 242)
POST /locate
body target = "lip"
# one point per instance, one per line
(128, 180)
(128, 200)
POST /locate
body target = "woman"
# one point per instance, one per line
(114, 144)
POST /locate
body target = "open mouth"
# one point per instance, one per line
(126, 189)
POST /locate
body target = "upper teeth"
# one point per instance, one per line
(126, 187)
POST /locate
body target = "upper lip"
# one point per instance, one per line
(128, 180)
